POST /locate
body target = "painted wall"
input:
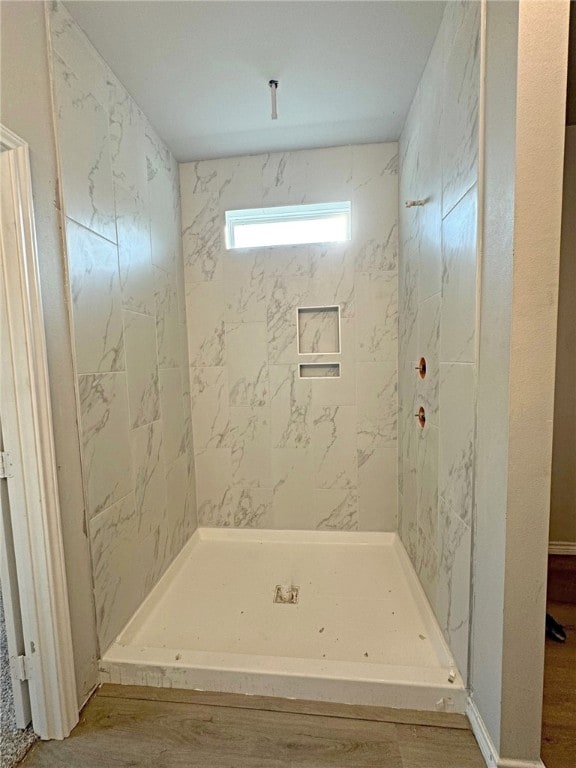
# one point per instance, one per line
(26, 109)
(124, 264)
(524, 94)
(563, 496)
(272, 450)
(571, 95)
(437, 306)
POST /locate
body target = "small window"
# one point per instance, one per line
(288, 225)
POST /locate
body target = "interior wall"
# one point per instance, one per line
(524, 94)
(25, 108)
(124, 266)
(437, 312)
(274, 450)
(563, 495)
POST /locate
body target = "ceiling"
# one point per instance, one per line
(200, 69)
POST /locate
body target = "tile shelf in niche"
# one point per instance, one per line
(319, 370)
(318, 330)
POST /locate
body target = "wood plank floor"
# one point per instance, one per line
(118, 731)
(559, 715)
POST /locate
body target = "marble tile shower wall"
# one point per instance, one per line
(121, 200)
(274, 450)
(438, 163)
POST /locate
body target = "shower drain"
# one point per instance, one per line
(286, 595)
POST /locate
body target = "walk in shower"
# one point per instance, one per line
(292, 421)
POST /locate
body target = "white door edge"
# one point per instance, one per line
(28, 436)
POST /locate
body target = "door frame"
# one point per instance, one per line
(48, 663)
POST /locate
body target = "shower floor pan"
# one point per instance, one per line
(360, 630)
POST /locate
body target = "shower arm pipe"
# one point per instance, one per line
(273, 88)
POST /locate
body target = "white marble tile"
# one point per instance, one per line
(149, 477)
(250, 446)
(407, 520)
(210, 408)
(84, 152)
(247, 361)
(286, 261)
(284, 296)
(377, 317)
(127, 141)
(378, 486)
(107, 469)
(73, 47)
(298, 177)
(252, 507)
(239, 182)
(409, 159)
(456, 451)
(198, 178)
(290, 408)
(338, 390)
(203, 239)
(177, 506)
(370, 161)
(375, 207)
(293, 486)
(427, 475)
(245, 286)
(429, 348)
(427, 570)
(408, 300)
(181, 295)
(191, 508)
(141, 368)
(205, 314)
(173, 414)
(408, 488)
(168, 329)
(335, 510)
(214, 487)
(159, 158)
(332, 283)
(453, 601)
(407, 430)
(334, 447)
(136, 271)
(284, 176)
(429, 246)
(428, 182)
(120, 560)
(164, 216)
(460, 97)
(187, 427)
(458, 315)
(377, 401)
(96, 301)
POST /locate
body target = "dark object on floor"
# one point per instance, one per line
(554, 630)
(561, 579)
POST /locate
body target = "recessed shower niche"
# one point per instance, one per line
(318, 330)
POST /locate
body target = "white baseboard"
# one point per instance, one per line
(562, 548)
(489, 751)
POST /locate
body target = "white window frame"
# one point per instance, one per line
(284, 213)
